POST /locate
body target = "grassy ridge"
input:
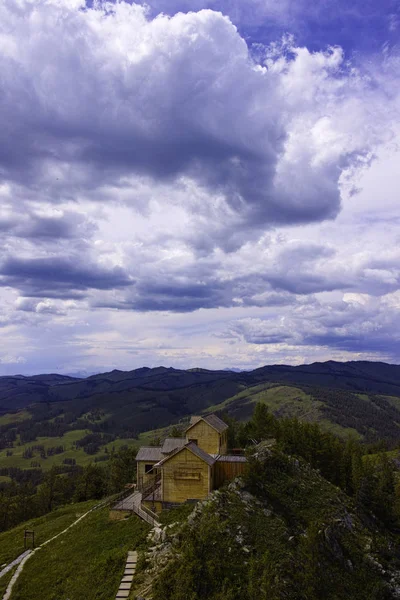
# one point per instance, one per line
(85, 563)
(284, 532)
(12, 541)
(13, 417)
(282, 401)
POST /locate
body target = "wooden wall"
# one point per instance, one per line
(207, 438)
(226, 471)
(142, 477)
(224, 442)
(185, 476)
(155, 506)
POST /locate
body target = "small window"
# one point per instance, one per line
(148, 468)
(193, 440)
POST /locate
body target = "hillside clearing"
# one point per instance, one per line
(45, 527)
(87, 562)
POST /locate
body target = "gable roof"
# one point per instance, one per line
(214, 421)
(210, 460)
(192, 447)
(171, 444)
(150, 453)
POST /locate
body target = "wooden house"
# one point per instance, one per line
(210, 433)
(187, 469)
(187, 474)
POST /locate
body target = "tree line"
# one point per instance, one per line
(363, 471)
(33, 492)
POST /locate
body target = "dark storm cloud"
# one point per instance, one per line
(68, 225)
(174, 296)
(59, 277)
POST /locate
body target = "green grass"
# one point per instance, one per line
(177, 514)
(12, 541)
(364, 397)
(394, 401)
(8, 418)
(288, 401)
(336, 429)
(147, 437)
(67, 440)
(86, 563)
(285, 401)
(5, 580)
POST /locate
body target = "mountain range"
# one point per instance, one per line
(359, 395)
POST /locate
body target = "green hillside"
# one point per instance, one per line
(85, 562)
(45, 527)
(282, 533)
(35, 438)
(78, 422)
(314, 517)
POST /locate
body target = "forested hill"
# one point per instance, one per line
(361, 376)
(362, 396)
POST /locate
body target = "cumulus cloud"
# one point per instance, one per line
(357, 323)
(174, 97)
(162, 176)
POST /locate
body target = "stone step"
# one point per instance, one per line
(130, 565)
(127, 579)
(132, 552)
(122, 594)
(129, 572)
(125, 585)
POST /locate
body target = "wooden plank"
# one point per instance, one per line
(207, 438)
(193, 485)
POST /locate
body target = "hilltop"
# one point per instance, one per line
(310, 517)
(281, 532)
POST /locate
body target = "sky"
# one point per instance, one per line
(198, 183)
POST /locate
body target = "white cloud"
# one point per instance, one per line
(153, 165)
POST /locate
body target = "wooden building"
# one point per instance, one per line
(210, 433)
(187, 469)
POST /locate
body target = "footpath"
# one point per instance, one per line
(23, 558)
(127, 578)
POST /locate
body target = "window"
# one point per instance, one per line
(148, 468)
(193, 440)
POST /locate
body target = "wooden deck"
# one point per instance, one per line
(133, 503)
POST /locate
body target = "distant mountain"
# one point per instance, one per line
(363, 396)
(360, 376)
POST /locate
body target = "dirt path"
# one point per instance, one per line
(14, 563)
(27, 555)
